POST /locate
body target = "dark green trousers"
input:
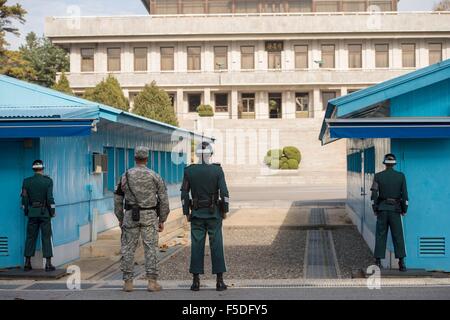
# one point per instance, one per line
(34, 225)
(199, 229)
(392, 220)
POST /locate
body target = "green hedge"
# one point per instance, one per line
(205, 110)
(288, 158)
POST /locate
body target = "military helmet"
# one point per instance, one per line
(141, 153)
(204, 148)
(390, 159)
(38, 165)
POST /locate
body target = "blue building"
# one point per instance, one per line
(86, 147)
(410, 117)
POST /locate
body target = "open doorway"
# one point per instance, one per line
(275, 105)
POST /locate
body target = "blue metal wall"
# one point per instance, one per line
(426, 164)
(78, 191)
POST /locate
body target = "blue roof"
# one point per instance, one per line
(23, 100)
(357, 102)
(20, 99)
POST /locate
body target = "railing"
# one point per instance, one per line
(272, 14)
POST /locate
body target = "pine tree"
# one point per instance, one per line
(108, 92)
(443, 5)
(154, 103)
(63, 85)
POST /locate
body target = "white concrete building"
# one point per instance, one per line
(253, 60)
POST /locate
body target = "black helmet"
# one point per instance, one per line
(390, 159)
(38, 165)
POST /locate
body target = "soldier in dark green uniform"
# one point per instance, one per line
(39, 205)
(390, 203)
(208, 207)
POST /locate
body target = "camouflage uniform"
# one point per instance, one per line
(147, 185)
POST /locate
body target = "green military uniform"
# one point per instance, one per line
(39, 206)
(389, 201)
(206, 183)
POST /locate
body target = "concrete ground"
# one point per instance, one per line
(278, 246)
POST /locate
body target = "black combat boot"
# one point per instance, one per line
(220, 285)
(27, 266)
(378, 263)
(401, 265)
(48, 265)
(195, 282)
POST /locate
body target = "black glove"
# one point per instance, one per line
(375, 210)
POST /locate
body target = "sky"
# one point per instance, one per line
(39, 9)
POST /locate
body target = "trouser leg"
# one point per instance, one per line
(381, 235)
(32, 234)
(216, 245)
(149, 234)
(396, 226)
(46, 237)
(129, 243)
(198, 235)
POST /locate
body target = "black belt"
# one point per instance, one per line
(130, 207)
(391, 201)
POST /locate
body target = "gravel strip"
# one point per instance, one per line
(251, 253)
(352, 251)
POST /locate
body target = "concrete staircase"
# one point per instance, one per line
(242, 144)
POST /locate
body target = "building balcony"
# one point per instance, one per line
(292, 78)
(245, 26)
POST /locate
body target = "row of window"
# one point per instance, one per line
(121, 159)
(247, 101)
(354, 163)
(355, 54)
(267, 6)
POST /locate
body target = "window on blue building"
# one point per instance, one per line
(130, 162)
(369, 160)
(120, 163)
(108, 177)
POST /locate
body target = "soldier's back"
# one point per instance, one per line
(390, 183)
(143, 183)
(204, 178)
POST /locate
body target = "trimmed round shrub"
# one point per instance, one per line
(205, 110)
(275, 164)
(267, 160)
(283, 159)
(292, 153)
(284, 166)
(293, 164)
(275, 153)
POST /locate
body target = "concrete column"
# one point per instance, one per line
(288, 105)
(396, 55)
(207, 96)
(235, 57)
(316, 54)
(316, 103)
(289, 56)
(446, 49)
(75, 59)
(261, 56)
(368, 55)
(234, 104)
(341, 55)
(344, 91)
(422, 54)
(127, 64)
(180, 104)
(208, 57)
(154, 58)
(181, 57)
(101, 59)
(262, 104)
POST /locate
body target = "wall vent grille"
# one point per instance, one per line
(432, 246)
(4, 246)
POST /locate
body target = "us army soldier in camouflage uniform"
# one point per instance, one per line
(135, 203)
